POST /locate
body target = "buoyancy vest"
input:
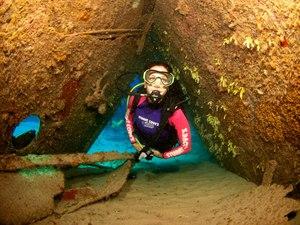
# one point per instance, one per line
(152, 127)
(155, 132)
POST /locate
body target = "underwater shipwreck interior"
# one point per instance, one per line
(66, 69)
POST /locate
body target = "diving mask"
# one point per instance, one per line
(166, 78)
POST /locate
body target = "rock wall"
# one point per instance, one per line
(59, 60)
(239, 61)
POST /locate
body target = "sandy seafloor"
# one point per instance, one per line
(194, 194)
(190, 189)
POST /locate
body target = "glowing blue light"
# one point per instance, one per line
(31, 122)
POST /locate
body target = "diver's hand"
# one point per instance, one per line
(157, 153)
(145, 153)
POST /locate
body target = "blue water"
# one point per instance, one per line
(31, 122)
(114, 137)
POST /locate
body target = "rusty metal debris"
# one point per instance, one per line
(114, 183)
(14, 162)
(269, 172)
(109, 33)
(70, 200)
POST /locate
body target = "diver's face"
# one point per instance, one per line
(157, 85)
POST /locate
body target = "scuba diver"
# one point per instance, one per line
(155, 122)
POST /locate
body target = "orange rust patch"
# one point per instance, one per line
(283, 43)
(69, 92)
(69, 195)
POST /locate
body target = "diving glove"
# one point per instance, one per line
(145, 153)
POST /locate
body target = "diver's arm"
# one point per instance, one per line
(129, 122)
(129, 126)
(180, 122)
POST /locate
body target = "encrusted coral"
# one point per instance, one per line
(267, 19)
(232, 87)
(194, 72)
(216, 141)
(251, 43)
(232, 148)
(214, 122)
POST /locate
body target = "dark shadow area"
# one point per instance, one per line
(25, 132)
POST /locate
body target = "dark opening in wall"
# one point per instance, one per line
(26, 131)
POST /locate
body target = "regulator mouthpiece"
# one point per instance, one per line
(155, 96)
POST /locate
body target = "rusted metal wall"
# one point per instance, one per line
(59, 60)
(239, 61)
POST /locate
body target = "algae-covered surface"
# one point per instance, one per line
(43, 171)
